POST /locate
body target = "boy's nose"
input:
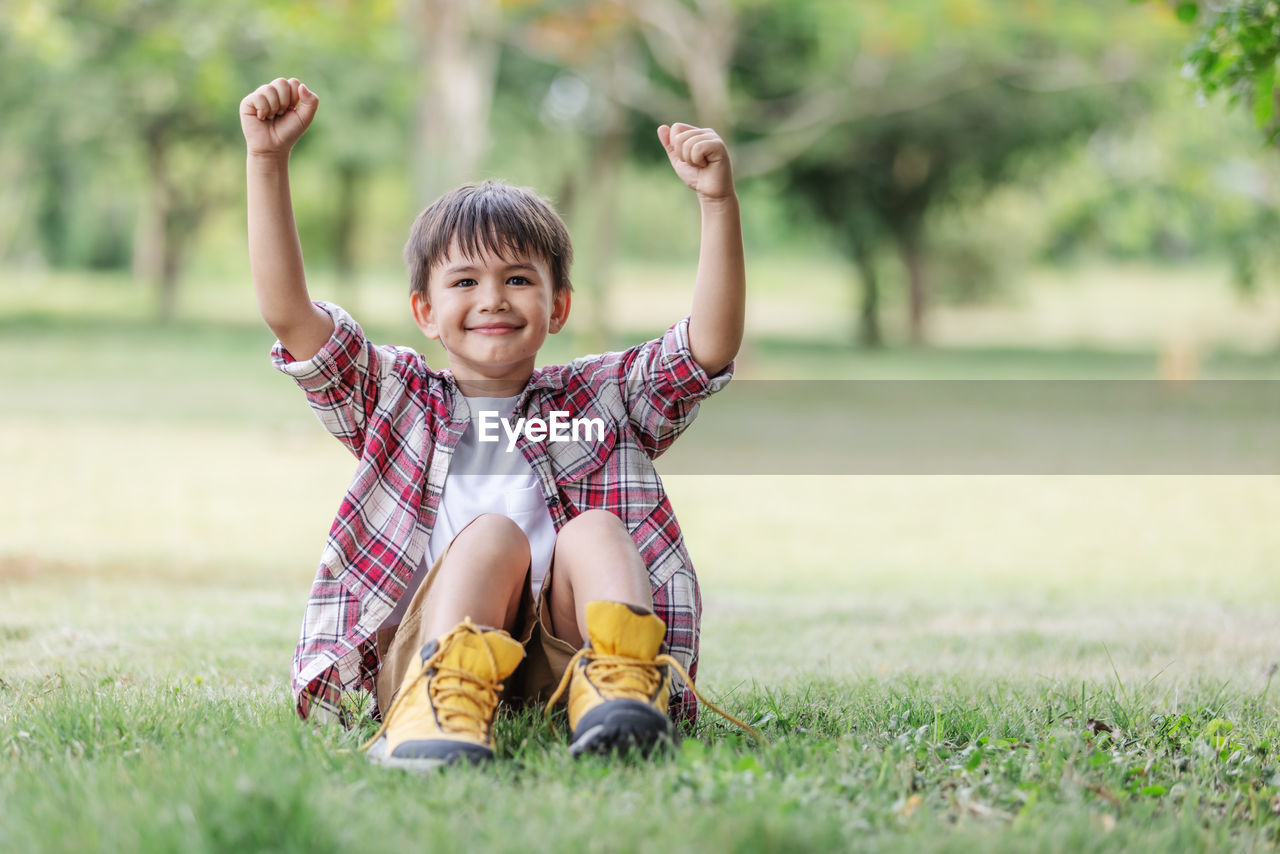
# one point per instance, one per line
(492, 297)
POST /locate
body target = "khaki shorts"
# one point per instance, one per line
(545, 659)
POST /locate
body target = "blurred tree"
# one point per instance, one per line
(590, 53)
(693, 43)
(358, 58)
(882, 177)
(944, 110)
(156, 82)
(927, 84)
(1224, 201)
(621, 68)
(603, 74)
(141, 79)
(47, 167)
(1185, 182)
(457, 63)
(1237, 52)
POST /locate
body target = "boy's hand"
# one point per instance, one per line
(275, 115)
(700, 158)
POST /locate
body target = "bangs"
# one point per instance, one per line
(493, 219)
(486, 226)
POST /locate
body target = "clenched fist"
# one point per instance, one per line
(700, 158)
(275, 115)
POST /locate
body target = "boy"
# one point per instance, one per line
(461, 568)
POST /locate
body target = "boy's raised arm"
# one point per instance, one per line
(701, 159)
(273, 117)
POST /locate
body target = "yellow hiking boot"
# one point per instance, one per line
(618, 684)
(444, 710)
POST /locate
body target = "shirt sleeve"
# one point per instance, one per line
(664, 385)
(342, 380)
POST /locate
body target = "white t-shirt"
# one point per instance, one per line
(484, 477)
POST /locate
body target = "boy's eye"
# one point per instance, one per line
(464, 283)
(518, 280)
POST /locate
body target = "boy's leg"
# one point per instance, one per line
(483, 559)
(601, 601)
(595, 559)
(453, 650)
(481, 577)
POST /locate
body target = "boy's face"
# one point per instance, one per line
(491, 314)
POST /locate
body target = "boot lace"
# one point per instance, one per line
(635, 678)
(463, 701)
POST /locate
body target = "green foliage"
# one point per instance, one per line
(116, 93)
(107, 95)
(979, 250)
(1237, 53)
(1184, 182)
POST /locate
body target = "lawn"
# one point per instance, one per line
(940, 662)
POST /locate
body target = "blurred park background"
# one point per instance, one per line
(946, 172)
(931, 189)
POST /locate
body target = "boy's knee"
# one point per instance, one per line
(594, 522)
(496, 530)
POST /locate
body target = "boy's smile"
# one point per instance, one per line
(491, 314)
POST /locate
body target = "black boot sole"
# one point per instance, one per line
(620, 726)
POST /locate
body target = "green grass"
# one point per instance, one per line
(925, 654)
(893, 765)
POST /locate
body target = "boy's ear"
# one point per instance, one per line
(560, 302)
(423, 315)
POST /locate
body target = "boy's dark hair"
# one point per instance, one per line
(491, 217)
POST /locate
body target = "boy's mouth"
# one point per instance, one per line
(494, 328)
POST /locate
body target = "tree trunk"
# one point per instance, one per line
(177, 233)
(913, 259)
(599, 216)
(594, 199)
(344, 230)
(155, 260)
(176, 208)
(54, 203)
(457, 70)
(868, 333)
(148, 243)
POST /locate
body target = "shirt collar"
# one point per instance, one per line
(546, 378)
(541, 378)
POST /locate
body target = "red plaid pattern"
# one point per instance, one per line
(402, 420)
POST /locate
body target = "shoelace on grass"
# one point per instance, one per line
(615, 666)
(467, 687)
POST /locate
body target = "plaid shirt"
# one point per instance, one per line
(402, 420)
